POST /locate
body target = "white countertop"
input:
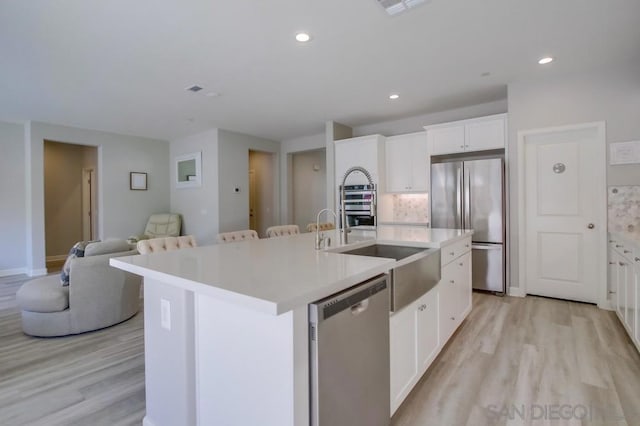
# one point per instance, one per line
(278, 274)
(400, 223)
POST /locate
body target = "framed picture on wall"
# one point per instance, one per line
(138, 181)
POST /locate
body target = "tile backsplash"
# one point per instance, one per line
(410, 208)
(624, 210)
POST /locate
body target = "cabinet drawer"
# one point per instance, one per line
(455, 250)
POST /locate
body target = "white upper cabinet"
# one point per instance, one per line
(407, 163)
(445, 140)
(485, 134)
(477, 134)
(365, 151)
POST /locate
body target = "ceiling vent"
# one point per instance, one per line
(394, 7)
(195, 88)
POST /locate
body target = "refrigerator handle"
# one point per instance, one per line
(459, 195)
(467, 197)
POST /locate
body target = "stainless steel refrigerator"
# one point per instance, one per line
(469, 194)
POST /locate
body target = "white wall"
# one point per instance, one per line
(122, 212)
(417, 122)
(233, 169)
(333, 132)
(287, 147)
(309, 190)
(12, 199)
(216, 207)
(611, 95)
(198, 206)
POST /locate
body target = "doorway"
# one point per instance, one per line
(70, 198)
(262, 194)
(562, 212)
(308, 186)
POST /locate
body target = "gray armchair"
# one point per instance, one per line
(98, 296)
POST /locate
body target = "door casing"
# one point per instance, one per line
(601, 209)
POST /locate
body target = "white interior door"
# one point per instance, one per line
(564, 212)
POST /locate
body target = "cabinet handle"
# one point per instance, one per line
(461, 264)
(613, 263)
(619, 245)
(453, 318)
(612, 241)
(637, 259)
(627, 251)
(461, 146)
(466, 245)
(452, 282)
(452, 254)
(612, 292)
(622, 264)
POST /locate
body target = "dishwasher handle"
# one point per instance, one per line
(359, 308)
(356, 299)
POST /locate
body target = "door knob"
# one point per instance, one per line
(591, 226)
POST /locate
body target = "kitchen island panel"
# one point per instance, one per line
(251, 367)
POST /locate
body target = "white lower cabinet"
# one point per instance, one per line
(624, 280)
(414, 341)
(403, 353)
(428, 330)
(455, 294)
(420, 330)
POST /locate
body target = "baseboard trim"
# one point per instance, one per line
(37, 272)
(14, 271)
(607, 306)
(147, 422)
(57, 258)
(516, 292)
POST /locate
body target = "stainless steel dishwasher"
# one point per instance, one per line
(349, 354)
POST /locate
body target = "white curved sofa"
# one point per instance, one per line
(97, 296)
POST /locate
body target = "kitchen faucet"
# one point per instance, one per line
(343, 213)
(320, 238)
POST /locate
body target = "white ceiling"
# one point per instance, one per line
(122, 65)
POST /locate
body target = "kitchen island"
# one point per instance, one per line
(226, 326)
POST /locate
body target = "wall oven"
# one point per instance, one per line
(359, 203)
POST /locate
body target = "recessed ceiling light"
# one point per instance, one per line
(394, 96)
(545, 60)
(303, 37)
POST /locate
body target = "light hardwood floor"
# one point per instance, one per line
(96, 378)
(510, 360)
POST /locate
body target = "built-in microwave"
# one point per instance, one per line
(359, 203)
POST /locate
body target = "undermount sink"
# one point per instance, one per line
(387, 251)
(411, 279)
